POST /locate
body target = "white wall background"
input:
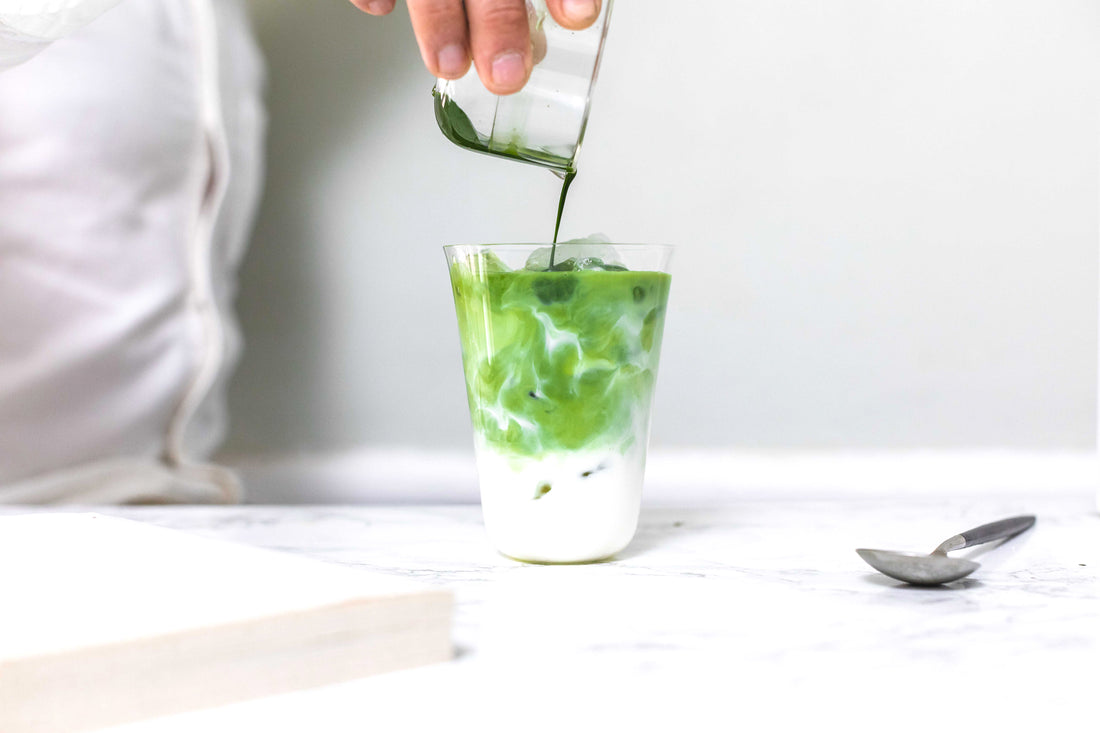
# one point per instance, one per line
(886, 212)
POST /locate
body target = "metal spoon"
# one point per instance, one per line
(937, 568)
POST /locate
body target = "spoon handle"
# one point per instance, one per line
(987, 533)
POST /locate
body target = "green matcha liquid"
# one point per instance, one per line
(558, 360)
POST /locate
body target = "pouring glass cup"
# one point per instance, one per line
(544, 122)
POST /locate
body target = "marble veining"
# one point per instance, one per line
(757, 609)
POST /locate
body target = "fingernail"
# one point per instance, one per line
(452, 60)
(579, 10)
(508, 70)
(379, 7)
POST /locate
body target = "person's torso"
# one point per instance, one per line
(129, 171)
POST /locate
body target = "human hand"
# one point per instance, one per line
(496, 34)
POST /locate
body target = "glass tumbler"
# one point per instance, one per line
(560, 368)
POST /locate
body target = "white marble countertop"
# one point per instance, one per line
(716, 616)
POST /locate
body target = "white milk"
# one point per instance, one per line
(589, 512)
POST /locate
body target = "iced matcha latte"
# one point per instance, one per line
(560, 365)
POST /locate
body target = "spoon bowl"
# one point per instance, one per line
(937, 568)
(917, 568)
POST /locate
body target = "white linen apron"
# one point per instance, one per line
(130, 167)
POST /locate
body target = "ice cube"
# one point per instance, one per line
(597, 238)
(595, 255)
(574, 264)
(539, 260)
(595, 263)
(590, 253)
(568, 265)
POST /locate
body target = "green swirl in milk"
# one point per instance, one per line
(560, 360)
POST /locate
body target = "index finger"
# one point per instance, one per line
(574, 14)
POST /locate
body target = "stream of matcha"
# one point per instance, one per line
(570, 174)
(456, 126)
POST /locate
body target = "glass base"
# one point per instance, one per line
(575, 507)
